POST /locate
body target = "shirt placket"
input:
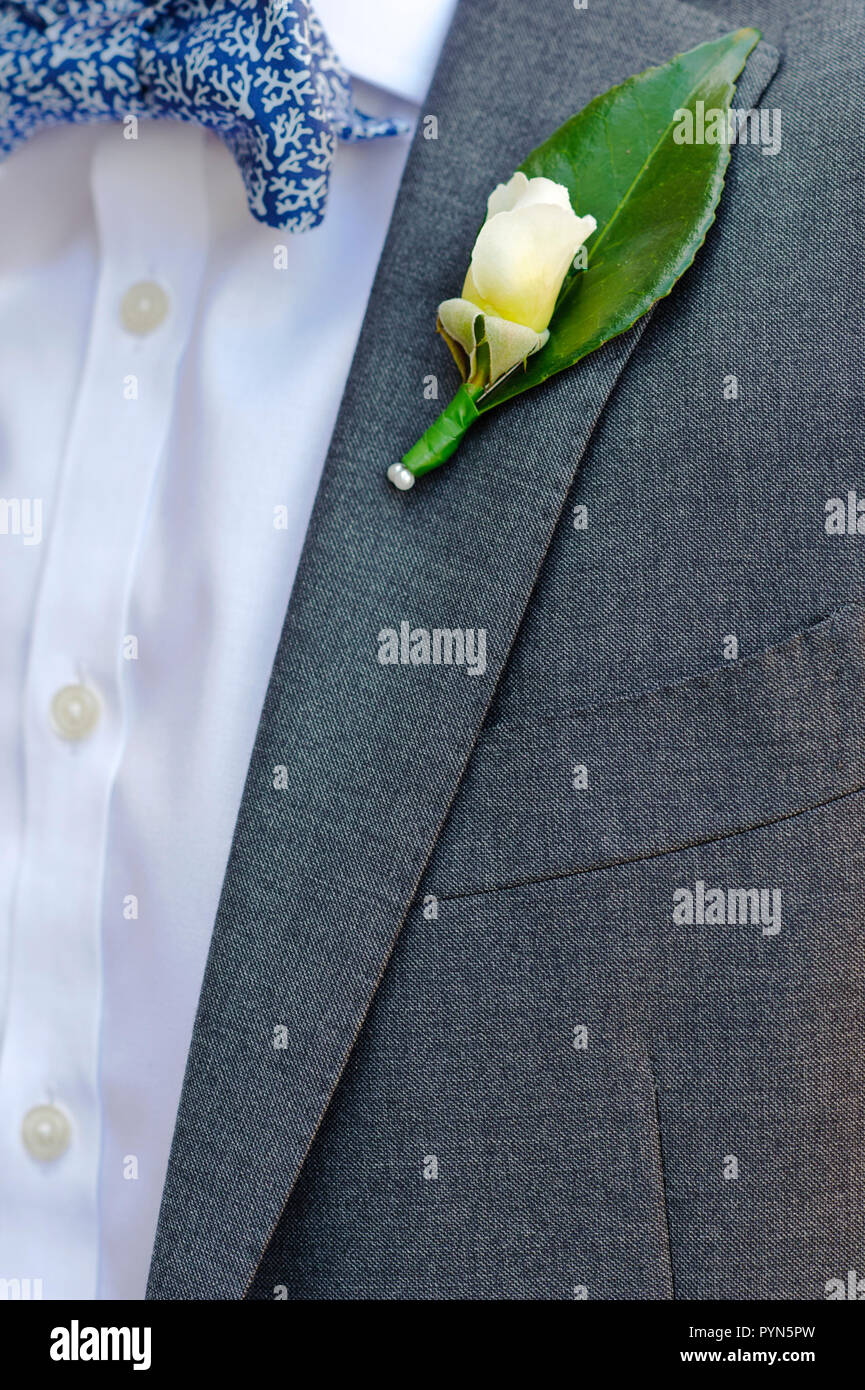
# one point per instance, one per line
(79, 697)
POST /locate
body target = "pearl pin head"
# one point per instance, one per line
(399, 475)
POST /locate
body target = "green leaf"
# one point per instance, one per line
(653, 199)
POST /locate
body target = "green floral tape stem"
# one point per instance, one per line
(441, 440)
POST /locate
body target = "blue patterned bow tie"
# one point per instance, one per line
(260, 72)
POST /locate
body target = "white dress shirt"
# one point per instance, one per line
(170, 372)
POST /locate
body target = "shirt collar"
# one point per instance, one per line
(391, 44)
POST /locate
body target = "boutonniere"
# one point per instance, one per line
(594, 228)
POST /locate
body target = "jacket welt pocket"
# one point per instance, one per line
(717, 754)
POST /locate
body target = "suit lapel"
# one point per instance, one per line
(356, 763)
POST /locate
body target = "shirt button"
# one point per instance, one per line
(46, 1132)
(143, 308)
(74, 712)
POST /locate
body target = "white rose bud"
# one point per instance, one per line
(521, 257)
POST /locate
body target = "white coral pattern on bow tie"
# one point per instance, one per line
(260, 72)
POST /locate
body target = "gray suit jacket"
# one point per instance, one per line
(546, 981)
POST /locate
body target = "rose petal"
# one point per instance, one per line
(542, 190)
(505, 195)
(520, 260)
